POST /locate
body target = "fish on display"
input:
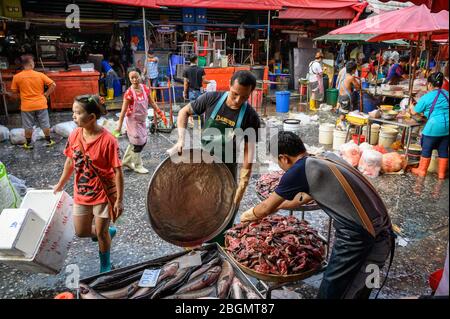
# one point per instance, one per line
(196, 294)
(205, 280)
(87, 292)
(180, 278)
(204, 268)
(236, 289)
(249, 293)
(122, 293)
(225, 280)
(167, 271)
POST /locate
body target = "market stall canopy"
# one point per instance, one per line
(322, 9)
(356, 38)
(208, 4)
(408, 23)
(135, 3)
(434, 5)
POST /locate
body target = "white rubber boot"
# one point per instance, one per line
(138, 167)
(127, 160)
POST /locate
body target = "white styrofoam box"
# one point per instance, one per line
(20, 230)
(54, 243)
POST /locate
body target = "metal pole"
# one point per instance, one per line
(411, 82)
(144, 25)
(268, 39)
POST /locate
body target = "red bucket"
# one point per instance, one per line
(362, 138)
(303, 89)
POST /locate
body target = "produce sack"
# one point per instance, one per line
(370, 163)
(350, 153)
(65, 128)
(365, 146)
(4, 133)
(17, 136)
(392, 162)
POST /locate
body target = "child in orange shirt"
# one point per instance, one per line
(93, 153)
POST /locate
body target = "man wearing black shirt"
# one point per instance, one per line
(194, 77)
(364, 234)
(225, 113)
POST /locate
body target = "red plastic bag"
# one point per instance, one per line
(435, 279)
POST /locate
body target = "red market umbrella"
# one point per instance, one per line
(408, 23)
(434, 5)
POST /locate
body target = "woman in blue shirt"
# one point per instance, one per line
(434, 105)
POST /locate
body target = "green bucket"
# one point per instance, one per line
(332, 96)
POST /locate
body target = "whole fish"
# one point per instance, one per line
(122, 293)
(204, 268)
(87, 292)
(119, 283)
(236, 289)
(205, 292)
(205, 280)
(167, 271)
(180, 277)
(225, 278)
(249, 294)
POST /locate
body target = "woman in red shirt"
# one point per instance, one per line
(93, 153)
(135, 107)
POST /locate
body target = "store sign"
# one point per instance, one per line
(166, 29)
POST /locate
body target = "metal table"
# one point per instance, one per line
(406, 133)
(387, 94)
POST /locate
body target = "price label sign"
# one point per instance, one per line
(149, 278)
(190, 260)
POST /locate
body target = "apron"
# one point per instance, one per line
(221, 141)
(136, 118)
(316, 88)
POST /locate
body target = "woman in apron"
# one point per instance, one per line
(135, 108)
(434, 105)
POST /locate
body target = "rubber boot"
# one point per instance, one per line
(112, 233)
(127, 160)
(423, 167)
(442, 167)
(105, 261)
(138, 167)
(312, 105)
(110, 94)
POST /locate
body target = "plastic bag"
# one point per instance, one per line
(370, 163)
(211, 86)
(65, 128)
(365, 146)
(19, 185)
(38, 134)
(380, 148)
(9, 198)
(17, 136)
(4, 133)
(351, 153)
(392, 162)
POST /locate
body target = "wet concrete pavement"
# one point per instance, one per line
(419, 209)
